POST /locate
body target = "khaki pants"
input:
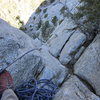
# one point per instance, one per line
(9, 95)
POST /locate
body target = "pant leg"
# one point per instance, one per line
(9, 95)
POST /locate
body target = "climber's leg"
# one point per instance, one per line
(6, 86)
(9, 95)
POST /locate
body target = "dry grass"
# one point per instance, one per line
(11, 9)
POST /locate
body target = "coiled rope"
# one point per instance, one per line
(34, 90)
(37, 90)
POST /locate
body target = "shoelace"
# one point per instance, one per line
(37, 90)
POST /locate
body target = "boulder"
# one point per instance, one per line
(60, 36)
(26, 58)
(53, 69)
(74, 89)
(39, 64)
(26, 68)
(71, 47)
(88, 66)
(13, 44)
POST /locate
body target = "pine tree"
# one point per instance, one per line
(90, 13)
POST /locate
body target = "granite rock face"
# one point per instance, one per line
(47, 17)
(67, 42)
(53, 70)
(71, 47)
(60, 36)
(53, 47)
(51, 22)
(72, 5)
(13, 44)
(88, 66)
(32, 59)
(74, 89)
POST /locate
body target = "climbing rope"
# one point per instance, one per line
(37, 90)
(34, 90)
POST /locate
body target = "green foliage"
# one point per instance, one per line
(54, 20)
(90, 10)
(38, 10)
(23, 29)
(20, 23)
(34, 18)
(46, 15)
(39, 24)
(44, 3)
(46, 30)
(45, 10)
(45, 26)
(51, 1)
(62, 10)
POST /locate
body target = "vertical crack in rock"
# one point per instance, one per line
(87, 84)
(66, 42)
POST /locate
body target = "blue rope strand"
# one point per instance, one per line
(37, 90)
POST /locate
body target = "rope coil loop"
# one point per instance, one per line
(37, 90)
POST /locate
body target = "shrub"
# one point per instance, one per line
(45, 10)
(23, 29)
(54, 20)
(51, 1)
(44, 26)
(46, 30)
(39, 24)
(62, 10)
(38, 10)
(44, 3)
(90, 13)
(46, 15)
(20, 22)
(34, 18)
